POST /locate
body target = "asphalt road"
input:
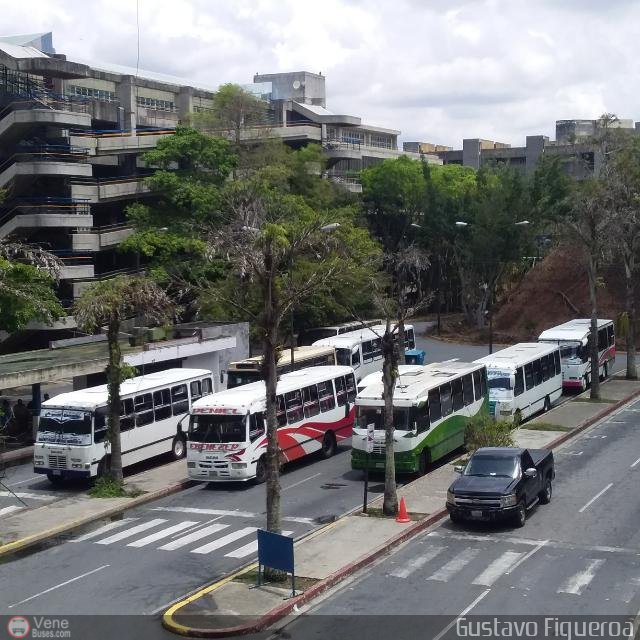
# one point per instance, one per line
(578, 556)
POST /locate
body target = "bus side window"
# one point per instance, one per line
(477, 385)
(422, 418)
(207, 386)
(293, 402)
(602, 339)
(537, 373)
(256, 426)
(100, 424)
(355, 357)
(341, 391)
(456, 393)
(528, 375)
(281, 414)
(558, 363)
(544, 365)
(327, 399)
(611, 335)
(467, 390)
(435, 413)
(179, 399)
(352, 391)
(483, 382)
(196, 390)
(162, 404)
(519, 386)
(445, 399)
(376, 348)
(367, 352)
(311, 402)
(127, 418)
(143, 405)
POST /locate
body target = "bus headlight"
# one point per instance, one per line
(238, 465)
(38, 459)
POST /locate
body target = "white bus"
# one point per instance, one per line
(523, 379)
(431, 407)
(227, 430)
(376, 377)
(362, 350)
(70, 442)
(309, 336)
(250, 370)
(573, 338)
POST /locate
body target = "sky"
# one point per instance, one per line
(438, 70)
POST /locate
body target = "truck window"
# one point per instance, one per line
(526, 461)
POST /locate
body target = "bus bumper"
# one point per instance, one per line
(404, 462)
(64, 473)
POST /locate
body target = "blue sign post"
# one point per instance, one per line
(276, 551)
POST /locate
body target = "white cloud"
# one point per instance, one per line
(499, 69)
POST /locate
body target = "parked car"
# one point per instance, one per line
(501, 483)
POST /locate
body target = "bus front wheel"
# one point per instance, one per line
(178, 448)
(329, 444)
(55, 480)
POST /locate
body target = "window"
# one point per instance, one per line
(537, 373)
(477, 385)
(467, 389)
(603, 339)
(325, 393)
(367, 352)
(409, 339)
(446, 405)
(376, 348)
(344, 357)
(311, 402)
(143, 406)
(162, 404)
(611, 335)
(207, 386)
(519, 386)
(281, 414)
(544, 366)
(179, 399)
(355, 357)
(483, 382)
(528, 375)
(341, 391)
(127, 415)
(456, 393)
(256, 426)
(100, 424)
(156, 104)
(293, 404)
(196, 390)
(435, 412)
(558, 363)
(351, 387)
(422, 418)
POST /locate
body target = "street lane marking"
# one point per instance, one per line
(636, 463)
(248, 549)
(578, 583)
(31, 496)
(15, 484)
(497, 568)
(200, 525)
(417, 563)
(446, 630)
(525, 557)
(225, 540)
(586, 506)
(627, 590)
(222, 512)
(570, 453)
(163, 533)
(5, 510)
(107, 527)
(132, 531)
(62, 584)
(192, 537)
(297, 484)
(452, 567)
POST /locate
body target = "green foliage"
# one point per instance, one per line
(26, 294)
(551, 189)
(108, 487)
(484, 431)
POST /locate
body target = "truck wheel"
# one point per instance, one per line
(178, 448)
(520, 516)
(329, 444)
(261, 472)
(545, 494)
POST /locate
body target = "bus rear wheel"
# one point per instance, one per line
(547, 404)
(178, 448)
(329, 444)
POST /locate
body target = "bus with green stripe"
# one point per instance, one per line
(431, 408)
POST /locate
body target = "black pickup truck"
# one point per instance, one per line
(501, 483)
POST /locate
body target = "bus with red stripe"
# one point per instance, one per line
(227, 438)
(573, 338)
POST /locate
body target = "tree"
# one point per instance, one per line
(109, 303)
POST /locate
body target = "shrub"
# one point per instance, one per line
(484, 431)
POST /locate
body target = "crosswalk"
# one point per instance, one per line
(163, 535)
(570, 574)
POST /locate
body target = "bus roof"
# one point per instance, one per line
(352, 338)
(574, 330)
(376, 376)
(416, 384)
(94, 397)
(241, 399)
(300, 353)
(517, 355)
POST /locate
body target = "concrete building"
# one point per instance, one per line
(72, 134)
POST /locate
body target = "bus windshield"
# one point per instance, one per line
(369, 415)
(573, 350)
(499, 380)
(238, 378)
(218, 428)
(344, 357)
(68, 425)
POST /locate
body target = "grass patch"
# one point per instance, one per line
(107, 487)
(600, 401)
(251, 577)
(545, 426)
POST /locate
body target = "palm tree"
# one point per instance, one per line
(108, 304)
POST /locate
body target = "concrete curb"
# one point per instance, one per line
(280, 612)
(16, 457)
(37, 538)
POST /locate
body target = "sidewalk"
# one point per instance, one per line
(233, 606)
(13, 457)
(32, 526)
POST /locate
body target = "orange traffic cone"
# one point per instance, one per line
(402, 516)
